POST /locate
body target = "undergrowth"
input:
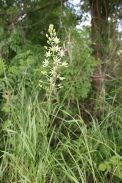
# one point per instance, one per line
(43, 143)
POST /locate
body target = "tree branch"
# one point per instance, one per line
(25, 11)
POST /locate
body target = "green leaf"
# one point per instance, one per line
(118, 172)
(6, 108)
(6, 124)
(2, 66)
(108, 168)
(102, 167)
(114, 160)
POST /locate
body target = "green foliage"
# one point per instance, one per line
(40, 141)
(10, 46)
(2, 67)
(27, 66)
(112, 165)
(37, 152)
(1, 33)
(81, 65)
(15, 40)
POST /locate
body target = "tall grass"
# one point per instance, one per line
(42, 147)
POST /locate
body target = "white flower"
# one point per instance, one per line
(64, 64)
(54, 48)
(57, 60)
(48, 53)
(61, 53)
(45, 63)
(50, 28)
(56, 40)
(61, 78)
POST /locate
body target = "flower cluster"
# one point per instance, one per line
(53, 62)
(54, 53)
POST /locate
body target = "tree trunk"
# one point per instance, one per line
(99, 36)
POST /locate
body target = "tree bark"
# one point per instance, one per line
(99, 36)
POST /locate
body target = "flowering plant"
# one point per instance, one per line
(52, 63)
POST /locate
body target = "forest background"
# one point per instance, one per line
(60, 91)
